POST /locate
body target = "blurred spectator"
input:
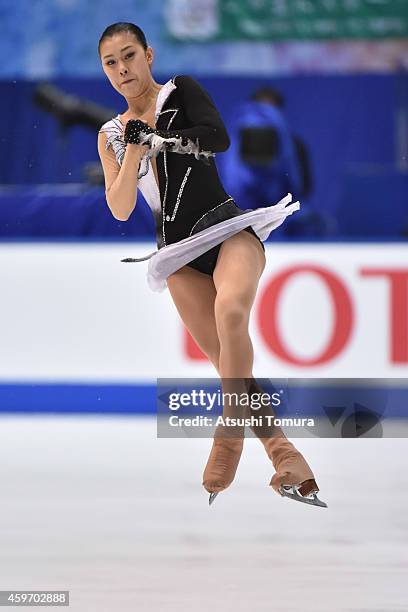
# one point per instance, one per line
(266, 161)
(272, 96)
(261, 165)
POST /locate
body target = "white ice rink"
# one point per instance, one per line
(100, 507)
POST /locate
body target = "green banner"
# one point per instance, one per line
(273, 20)
(312, 19)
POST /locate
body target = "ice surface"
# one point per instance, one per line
(101, 507)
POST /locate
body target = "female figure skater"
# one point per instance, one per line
(210, 252)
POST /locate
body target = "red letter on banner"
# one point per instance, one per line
(191, 348)
(343, 319)
(399, 310)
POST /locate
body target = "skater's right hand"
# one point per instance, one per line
(136, 130)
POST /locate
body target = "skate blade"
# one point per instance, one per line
(212, 497)
(292, 493)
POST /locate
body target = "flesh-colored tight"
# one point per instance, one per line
(216, 312)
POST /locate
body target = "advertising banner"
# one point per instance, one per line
(74, 312)
(288, 19)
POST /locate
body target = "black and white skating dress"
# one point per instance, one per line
(192, 212)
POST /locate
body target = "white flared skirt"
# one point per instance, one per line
(172, 257)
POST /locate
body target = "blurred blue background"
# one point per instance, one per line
(340, 66)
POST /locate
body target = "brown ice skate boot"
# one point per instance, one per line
(228, 441)
(293, 478)
(222, 465)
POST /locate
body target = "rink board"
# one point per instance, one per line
(82, 331)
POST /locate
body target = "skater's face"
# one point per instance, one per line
(124, 59)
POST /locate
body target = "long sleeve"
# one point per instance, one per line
(205, 121)
(204, 134)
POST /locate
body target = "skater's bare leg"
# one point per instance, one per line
(194, 296)
(240, 263)
(216, 313)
